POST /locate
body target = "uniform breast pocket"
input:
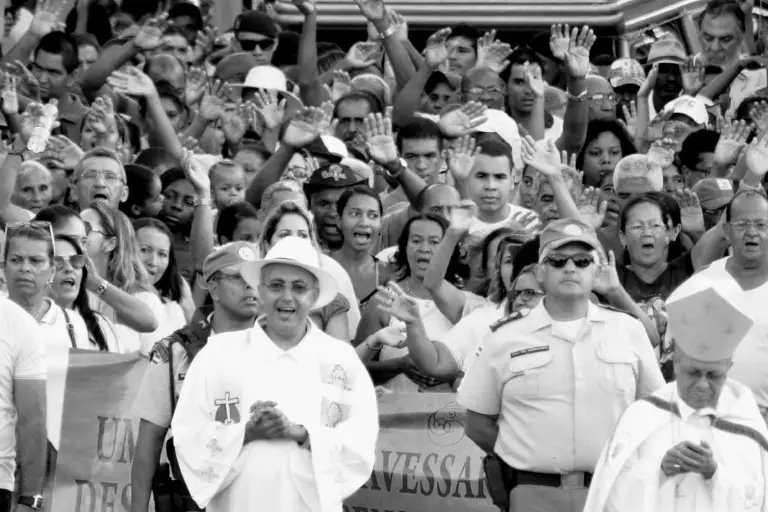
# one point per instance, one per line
(616, 372)
(529, 375)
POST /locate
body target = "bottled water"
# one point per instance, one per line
(42, 130)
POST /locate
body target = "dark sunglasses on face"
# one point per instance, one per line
(76, 261)
(249, 45)
(581, 260)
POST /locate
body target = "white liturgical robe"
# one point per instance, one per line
(629, 478)
(320, 384)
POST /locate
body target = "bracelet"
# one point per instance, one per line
(102, 289)
(389, 32)
(581, 97)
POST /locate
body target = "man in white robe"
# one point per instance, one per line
(280, 417)
(699, 443)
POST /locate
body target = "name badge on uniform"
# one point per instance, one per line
(527, 351)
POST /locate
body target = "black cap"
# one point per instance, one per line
(256, 22)
(331, 176)
(187, 9)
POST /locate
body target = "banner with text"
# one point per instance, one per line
(424, 461)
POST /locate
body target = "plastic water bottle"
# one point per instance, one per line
(42, 130)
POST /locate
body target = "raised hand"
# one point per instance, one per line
(756, 158)
(662, 152)
(150, 36)
(10, 97)
(400, 24)
(214, 101)
(26, 83)
(492, 53)
(461, 158)
(305, 127)
(606, 279)
(190, 143)
(103, 122)
(592, 210)
(649, 83)
(759, 116)
(66, 152)
(132, 82)
(462, 216)
(692, 218)
(380, 144)
(270, 108)
(577, 56)
(630, 118)
(233, 124)
(542, 156)
(373, 10)
(393, 300)
(559, 40)
(29, 120)
(342, 85)
(363, 54)
(534, 80)
(693, 76)
(436, 51)
(46, 19)
(305, 7)
(196, 173)
(732, 140)
(463, 120)
(197, 84)
(203, 45)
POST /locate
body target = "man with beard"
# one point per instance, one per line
(323, 190)
(99, 177)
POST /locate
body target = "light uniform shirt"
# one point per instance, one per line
(465, 337)
(320, 384)
(22, 357)
(751, 357)
(559, 391)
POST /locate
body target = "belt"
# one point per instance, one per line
(568, 482)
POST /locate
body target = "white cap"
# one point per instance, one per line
(298, 252)
(272, 79)
(505, 127)
(689, 106)
(707, 327)
(335, 146)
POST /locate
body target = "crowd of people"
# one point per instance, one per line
(573, 243)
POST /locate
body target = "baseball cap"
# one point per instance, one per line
(713, 193)
(332, 176)
(636, 174)
(626, 72)
(565, 231)
(235, 66)
(256, 22)
(667, 51)
(329, 148)
(229, 256)
(689, 106)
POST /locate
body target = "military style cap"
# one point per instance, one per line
(332, 176)
(565, 231)
(229, 256)
(706, 327)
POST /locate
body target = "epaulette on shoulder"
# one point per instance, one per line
(161, 350)
(617, 310)
(509, 318)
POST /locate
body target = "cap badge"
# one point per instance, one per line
(246, 253)
(334, 172)
(572, 230)
(724, 184)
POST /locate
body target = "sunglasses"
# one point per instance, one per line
(76, 261)
(20, 228)
(248, 45)
(581, 260)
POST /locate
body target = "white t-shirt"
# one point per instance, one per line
(170, 317)
(479, 226)
(22, 357)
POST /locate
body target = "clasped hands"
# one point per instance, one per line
(687, 457)
(267, 422)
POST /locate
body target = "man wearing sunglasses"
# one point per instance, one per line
(256, 33)
(549, 385)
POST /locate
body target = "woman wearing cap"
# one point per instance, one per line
(286, 399)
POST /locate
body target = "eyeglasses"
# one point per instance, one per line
(639, 229)
(76, 261)
(491, 91)
(279, 287)
(743, 225)
(581, 260)
(602, 97)
(527, 294)
(249, 45)
(108, 176)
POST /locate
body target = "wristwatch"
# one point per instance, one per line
(580, 97)
(397, 169)
(389, 32)
(202, 202)
(34, 502)
(101, 290)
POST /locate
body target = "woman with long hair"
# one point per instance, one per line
(117, 303)
(112, 248)
(157, 255)
(68, 291)
(415, 249)
(290, 219)
(360, 212)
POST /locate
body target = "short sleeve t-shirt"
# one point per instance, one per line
(22, 357)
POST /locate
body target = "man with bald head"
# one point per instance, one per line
(601, 98)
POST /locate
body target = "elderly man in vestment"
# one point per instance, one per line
(699, 443)
(280, 417)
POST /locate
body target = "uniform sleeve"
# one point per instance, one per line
(462, 340)
(29, 362)
(206, 449)
(481, 387)
(153, 402)
(649, 378)
(344, 455)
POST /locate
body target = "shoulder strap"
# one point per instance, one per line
(171, 378)
(70, 328)
(718, 423)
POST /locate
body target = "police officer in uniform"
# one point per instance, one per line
(234, 308)
(550, 384)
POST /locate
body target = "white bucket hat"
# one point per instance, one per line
(298, 252)
(272, 79)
